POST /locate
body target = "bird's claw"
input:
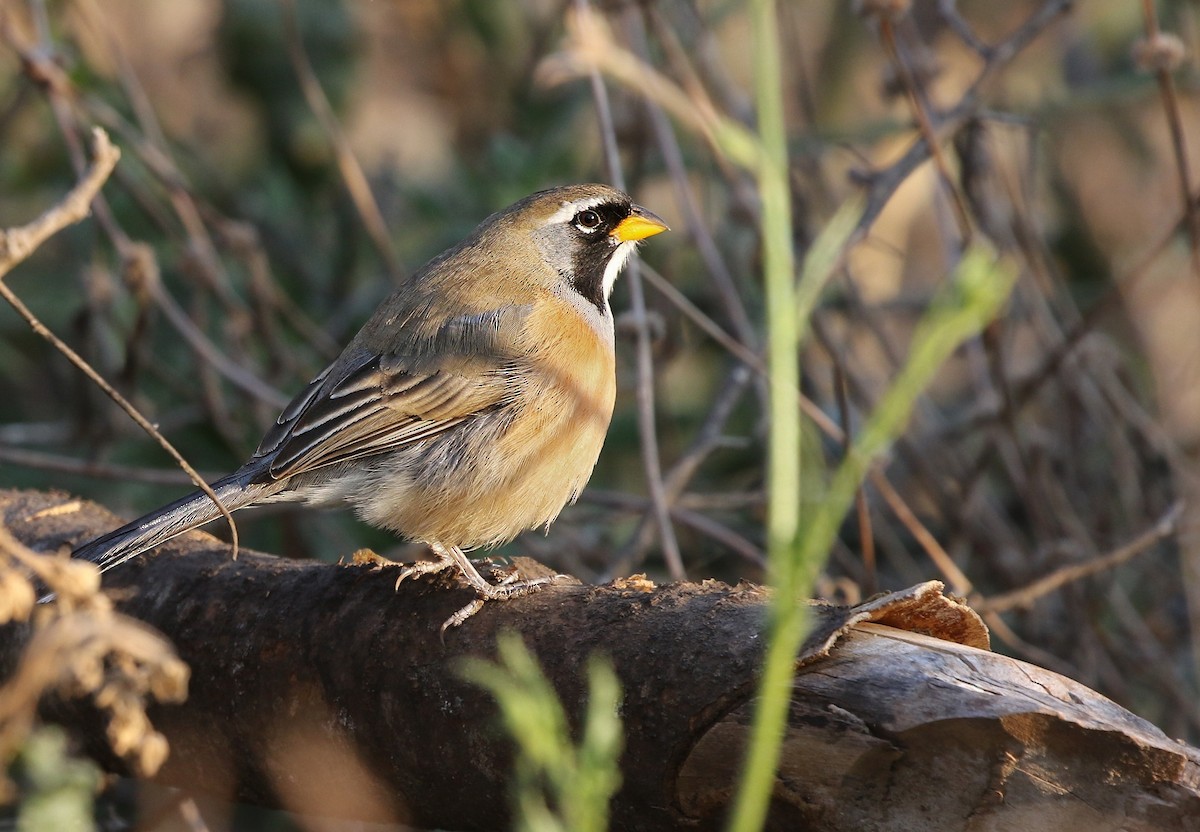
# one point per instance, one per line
(462, 615)
(506, 590)
(420, 567)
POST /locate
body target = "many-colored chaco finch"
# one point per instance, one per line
(470, 407)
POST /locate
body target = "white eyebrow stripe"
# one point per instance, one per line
(570, 209)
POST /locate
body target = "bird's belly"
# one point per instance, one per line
(489, 478)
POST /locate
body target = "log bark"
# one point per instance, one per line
(323, 689)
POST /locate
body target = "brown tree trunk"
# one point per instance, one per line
(325, 690)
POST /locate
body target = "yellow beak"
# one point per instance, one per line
(638, 226)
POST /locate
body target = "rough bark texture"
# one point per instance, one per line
(322, 689)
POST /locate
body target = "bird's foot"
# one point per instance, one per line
(510, 587)
(369, 557)
(421, 567)
(507, 580)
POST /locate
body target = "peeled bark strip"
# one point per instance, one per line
(323, 690)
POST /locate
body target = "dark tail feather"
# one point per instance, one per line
(160, 525)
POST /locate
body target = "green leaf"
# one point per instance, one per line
(557, 785)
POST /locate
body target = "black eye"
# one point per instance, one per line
(587, 220)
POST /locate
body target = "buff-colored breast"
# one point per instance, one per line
(501, 472)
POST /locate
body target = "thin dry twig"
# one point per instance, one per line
(647, 429)
(352, 173)
(957, 579)
(1162, 53)
(882, 184)
(707, 439)
(862, 506)
(702, 523)
(591, 48)
(1165, 527)
(887, 33)
(17, 244)
(706, 246)
(62, 464)
(1029, 384)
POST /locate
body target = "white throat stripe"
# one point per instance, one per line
(615, 264)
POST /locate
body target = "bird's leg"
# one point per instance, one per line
(507, 589)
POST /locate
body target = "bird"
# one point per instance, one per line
(470, 407)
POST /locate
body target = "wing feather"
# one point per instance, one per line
(378, 403)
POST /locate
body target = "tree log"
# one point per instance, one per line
(326, 690)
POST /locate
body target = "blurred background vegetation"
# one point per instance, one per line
(1063, 436)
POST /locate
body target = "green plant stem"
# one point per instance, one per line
(972, 297)
(787, 624)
